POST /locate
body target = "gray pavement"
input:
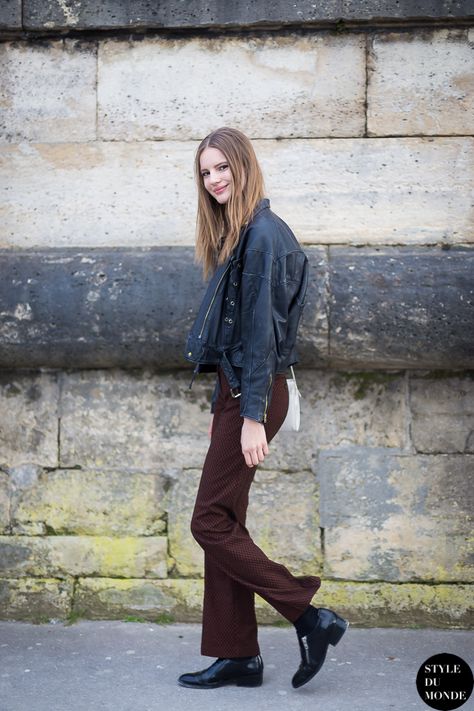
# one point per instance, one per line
(133, 666)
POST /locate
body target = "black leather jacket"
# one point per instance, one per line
(249, 316)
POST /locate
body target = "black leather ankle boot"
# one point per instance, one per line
(313, 646)
(242, 672)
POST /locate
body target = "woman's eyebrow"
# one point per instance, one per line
(222, 162)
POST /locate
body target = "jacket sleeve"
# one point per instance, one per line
(259, 326)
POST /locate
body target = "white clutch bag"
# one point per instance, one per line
(292, 419)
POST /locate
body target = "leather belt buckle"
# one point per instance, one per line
(234, 394)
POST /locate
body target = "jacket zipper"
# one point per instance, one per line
(213, 299)
(266, 400)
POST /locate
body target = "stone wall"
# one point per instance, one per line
(363, 121)
(100, 468)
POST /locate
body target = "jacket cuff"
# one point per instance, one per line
(252, 417)
(257, 401)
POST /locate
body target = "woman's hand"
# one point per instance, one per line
(253, 441)
(209, 429)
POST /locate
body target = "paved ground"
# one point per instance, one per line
(131, 666)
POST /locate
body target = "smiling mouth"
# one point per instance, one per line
(219, 190)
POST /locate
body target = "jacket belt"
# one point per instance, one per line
(229, 373)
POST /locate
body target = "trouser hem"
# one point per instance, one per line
(312, 590)
(229, 653)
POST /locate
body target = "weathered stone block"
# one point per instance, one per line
(313, 329)
(49, 91)
(283, 519)
(35, 599)
(393, 605)
(97, 307)
(388, 191)
(63, 556)
(118, 184)
(421, 83)
(186, 554)
(404, 306)
(286, 530)
(364, 604)
(154, 600)
(137, 420)
(162, 600)
(109, 14)
(10, 15)
(396, 517)
(341, 409)
(101, 309)
(267, 86)
(20, 479)
(384, 190)
(29, 415)
(345, 408)
(91, 503)
(442, 413)
(4, 503)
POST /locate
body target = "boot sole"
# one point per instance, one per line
(250, 680)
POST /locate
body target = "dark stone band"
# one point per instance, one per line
(377, 308)
(37, 15)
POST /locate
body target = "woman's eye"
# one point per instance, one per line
(224, 167)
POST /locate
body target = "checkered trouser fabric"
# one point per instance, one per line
(234, 566)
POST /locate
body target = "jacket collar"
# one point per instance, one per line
(264, 202)
(238, 249)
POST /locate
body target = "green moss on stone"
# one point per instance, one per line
(364, 380)
(164, 618)
(75, 615)
(365, 604)
(444, 374)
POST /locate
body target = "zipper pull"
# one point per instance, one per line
(195, 372)
(266, 400)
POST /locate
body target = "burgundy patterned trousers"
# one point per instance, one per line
(234, 566)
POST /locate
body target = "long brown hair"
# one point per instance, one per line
(218, 226)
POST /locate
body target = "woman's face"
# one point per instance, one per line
(216, 174)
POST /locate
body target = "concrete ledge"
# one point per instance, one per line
(112, 14)
(387, 307)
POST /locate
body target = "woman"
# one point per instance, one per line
(245, 330)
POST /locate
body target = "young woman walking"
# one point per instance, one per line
(245, 331)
